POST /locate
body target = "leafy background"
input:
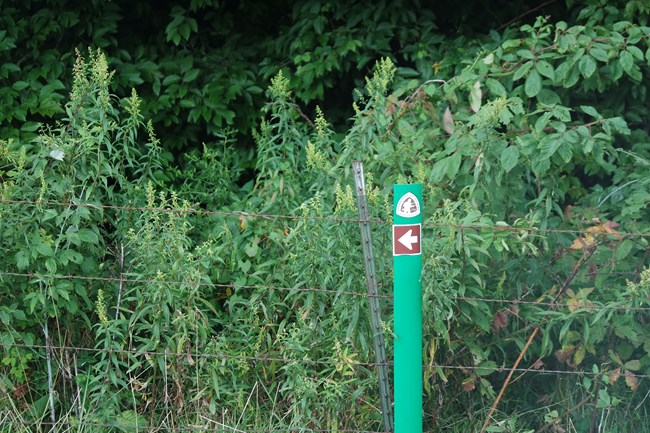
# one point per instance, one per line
(151, 155)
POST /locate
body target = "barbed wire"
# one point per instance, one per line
(511, 228)
(308, 289)
(553, 304)
(505, 227)
(233, 286)
(523, 370)
(193, 355)
(196, 355)
(198, 283)
(217, 428)
(193, 211)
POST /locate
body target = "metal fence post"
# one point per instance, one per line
(375, 310)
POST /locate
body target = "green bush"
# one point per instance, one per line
(194, 286)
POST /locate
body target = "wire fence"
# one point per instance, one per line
(214, 426)
(496, 228)
(224, 356)
(555, 305)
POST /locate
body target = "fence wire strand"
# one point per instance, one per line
(586, 306)
(496, 228)
(217, 428)
(144, 353)
(193, 211)
(196, 283)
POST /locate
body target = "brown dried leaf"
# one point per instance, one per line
(583, 242)
(614, 376)
(499, 321)
(631, 380)
(469, 384)
(565, 353)
(579, 300)
(606, 228)
(567, 212)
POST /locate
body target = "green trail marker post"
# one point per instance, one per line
(407, 288)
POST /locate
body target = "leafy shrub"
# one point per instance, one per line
(200, 304)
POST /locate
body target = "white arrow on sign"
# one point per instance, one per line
(408, 239)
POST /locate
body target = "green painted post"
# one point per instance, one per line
(407, 287)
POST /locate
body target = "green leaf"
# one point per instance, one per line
(70, 255)
(509, 158)
(626, 60)
(251, 249)
(526, 54)
(88, 236)
(8, 68)
(486, 368)
(405, 128)
(454, 165)
(565, 151)
(591, 111)
(533, 84)
(244, 265)
(44, 249)
(579, 355)
(191, 75)
(635, 51)
(599, 54)
(633, 365)
(50, 265)
(624, 249)
(187, 103)
(549, 145)
(20, 85)
(521, 71)
(587, 66)
(545, 69)
(130, 420)
(22, 260)
(495, 87)
(171, 79)
(572, 77)
(541, 123)
(618, 124)
(548, 97)
(604, 399)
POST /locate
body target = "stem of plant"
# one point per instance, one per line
(585, 256)
(48, 353)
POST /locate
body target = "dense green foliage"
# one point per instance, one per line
(193, 289)
(201, 65)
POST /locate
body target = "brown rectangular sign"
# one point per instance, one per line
(407, 239)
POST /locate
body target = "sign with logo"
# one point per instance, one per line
(408, 206)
